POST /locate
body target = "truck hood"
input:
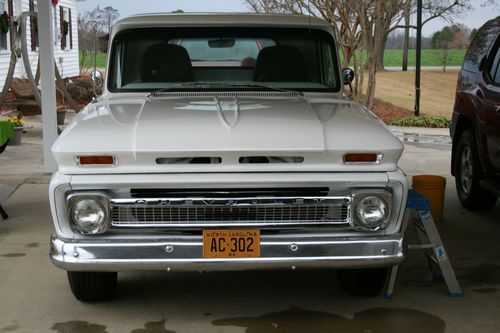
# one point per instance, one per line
(245, 133)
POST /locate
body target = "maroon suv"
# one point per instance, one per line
(475, 126)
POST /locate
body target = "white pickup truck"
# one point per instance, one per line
(225, 142)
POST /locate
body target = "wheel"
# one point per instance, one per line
(92, 286)
(468, 174)
(362, 282)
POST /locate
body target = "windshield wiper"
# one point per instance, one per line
(223, 84)
(258, 85)
(174, 86)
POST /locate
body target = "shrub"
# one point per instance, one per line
(82, 90)
(424, 121)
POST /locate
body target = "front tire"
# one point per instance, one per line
(468, 171)
(367, 282)
(92, 286)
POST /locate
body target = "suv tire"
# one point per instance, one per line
(92, 286)
(362, 282)
(468, 174)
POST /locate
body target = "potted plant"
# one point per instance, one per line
(61, 116)
(62, 107)
(18, 130)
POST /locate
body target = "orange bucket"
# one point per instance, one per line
(432, 187)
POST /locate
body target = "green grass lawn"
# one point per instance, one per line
(391, 58)
(394, 57)
(88, 61)
(429, 57)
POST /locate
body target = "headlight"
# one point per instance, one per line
(372, 212)
(89, 213)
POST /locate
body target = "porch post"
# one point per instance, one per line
(48, 85)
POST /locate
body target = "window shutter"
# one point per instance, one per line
(10, 8)
(33, 26)
(61, 27)
(70, 29)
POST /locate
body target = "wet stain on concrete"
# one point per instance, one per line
(487, 290)
(78, 326)
(13, 255)
(32, 245)
(377, 320)
(153, 327)
(10, 328)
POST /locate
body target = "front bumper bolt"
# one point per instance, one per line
(169, 248)
(294, 247)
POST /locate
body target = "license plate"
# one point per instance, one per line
(231, 243)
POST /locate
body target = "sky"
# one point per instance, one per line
(473, 19)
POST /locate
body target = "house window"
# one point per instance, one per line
(66, 28)
(3, 35)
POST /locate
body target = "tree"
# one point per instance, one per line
(89, 28)
(362, 27)
(472, 34)
(93, 26)
(456, 36)
(107, 16)
(431, 9)
(461, 36)
(442, 40)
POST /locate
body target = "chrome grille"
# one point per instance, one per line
(201, 212)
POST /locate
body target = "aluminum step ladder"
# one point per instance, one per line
(418, 212)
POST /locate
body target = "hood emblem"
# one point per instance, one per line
(220, 113)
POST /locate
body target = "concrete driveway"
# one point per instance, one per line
(35, 296)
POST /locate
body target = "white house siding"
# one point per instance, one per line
(4, 56)
(70, 65)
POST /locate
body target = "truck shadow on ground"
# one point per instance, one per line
(377, 320)
(218, 293)
(298, 320)
(228, 296)
(248, 286)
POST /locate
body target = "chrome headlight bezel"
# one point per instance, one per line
(102, 201)
(383, 195)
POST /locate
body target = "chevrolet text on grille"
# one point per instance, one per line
(241, 202)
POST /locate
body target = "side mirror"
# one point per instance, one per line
(96, 78)
(348, 75)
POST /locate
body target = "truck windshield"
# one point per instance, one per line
(152, 59)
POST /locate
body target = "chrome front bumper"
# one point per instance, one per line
(179, 254)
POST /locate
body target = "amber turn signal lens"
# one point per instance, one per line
(360, 158)
(97, 160)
